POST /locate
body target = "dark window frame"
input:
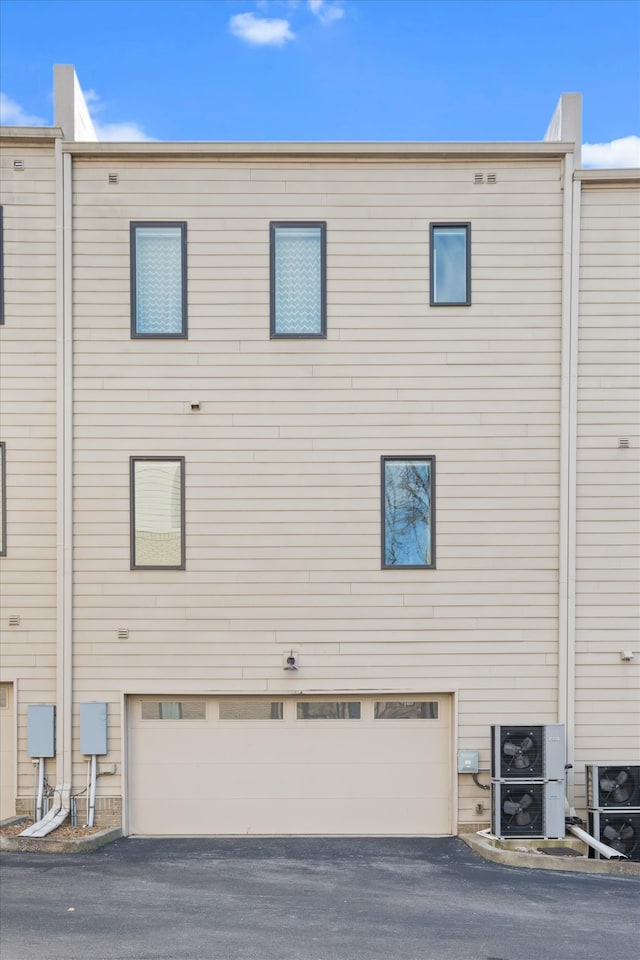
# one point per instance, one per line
(433, 227)
(395, 458)
(132, 513)
(133, 227)
(3, 499)
(274, 225)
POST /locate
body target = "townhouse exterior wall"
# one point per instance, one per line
(282, 441)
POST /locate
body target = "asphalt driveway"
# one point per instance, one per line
(307, 899)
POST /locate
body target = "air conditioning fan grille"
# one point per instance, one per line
(521, 752)
(613, 786)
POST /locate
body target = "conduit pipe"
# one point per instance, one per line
(40, 797)
(91, 796)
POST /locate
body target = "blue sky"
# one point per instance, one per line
(331, 69)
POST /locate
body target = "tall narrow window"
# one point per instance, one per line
(408, 520)
(450, 264)
(157, 513)
(3, 502)
(158, 280)
(298, 280)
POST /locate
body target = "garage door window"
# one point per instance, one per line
(406, 710)
(251, 710)
(328, 710)
(173, 710)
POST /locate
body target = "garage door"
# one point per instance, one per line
(357, 765)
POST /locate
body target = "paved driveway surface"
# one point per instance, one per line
(307, 899)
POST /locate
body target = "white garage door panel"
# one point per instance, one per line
(290, 776)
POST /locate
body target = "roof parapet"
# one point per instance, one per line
(70, 107)
(566, 123)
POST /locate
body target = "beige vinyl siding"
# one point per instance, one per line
(283, 459)
(608, 491)
(27, 426)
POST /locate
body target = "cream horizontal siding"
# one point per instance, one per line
(27, 426)
(283, 459)
(608, 486)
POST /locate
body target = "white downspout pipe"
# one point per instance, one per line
(64, 433)
(602, 848)
(568, 458)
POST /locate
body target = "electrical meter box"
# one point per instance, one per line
(93, 728)
(468, 761)
(41, 730)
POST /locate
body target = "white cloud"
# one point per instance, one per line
(624, 152)
(115, 132)
(119, 132)
(326, 12)
(260, 31)
(12, 114)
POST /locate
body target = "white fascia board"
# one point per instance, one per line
(364, 150)
(601, 175)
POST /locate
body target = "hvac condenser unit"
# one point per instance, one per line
(613, 786)
(527, 809)
(619, 830)
(523, 752)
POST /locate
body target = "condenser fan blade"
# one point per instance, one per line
(510, 808)
(527, 745)
(525, 818)
(526, 801)
(616, 788)
(510, 749)
(621, 840)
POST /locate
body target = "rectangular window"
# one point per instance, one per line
(450, 264)
(298, 280)
(406, 710)
(251, 709)
(408, 520)
(158, 280)
(173, 710)
(328, 710)
(3, 502)
(157, 513)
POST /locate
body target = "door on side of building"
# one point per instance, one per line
(374, 765)
(7, 753)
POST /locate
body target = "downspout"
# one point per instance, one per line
(568, 463)
(64, 465)
(64, 425)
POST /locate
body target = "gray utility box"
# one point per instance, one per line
(41, 730)
(93, 728)
(528, 752)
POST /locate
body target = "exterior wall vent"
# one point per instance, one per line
(478, 178)
(14, 619)
(491, 178)
(18, 164)
(623, 443)
(123, 633)
(113, 178)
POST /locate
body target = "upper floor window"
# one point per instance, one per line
(408, 520)
(298, 280)
(3, 502)
(158, 280)
(157, 512)
(450, 264)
